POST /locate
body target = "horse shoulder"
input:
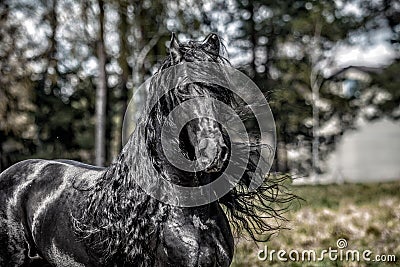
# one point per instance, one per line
(36, 199)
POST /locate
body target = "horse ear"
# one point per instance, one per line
(174, 49)
(212, 43)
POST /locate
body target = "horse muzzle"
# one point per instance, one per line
(212, 154)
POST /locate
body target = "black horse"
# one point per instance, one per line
(66, 213)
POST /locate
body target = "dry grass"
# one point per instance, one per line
(366, 215)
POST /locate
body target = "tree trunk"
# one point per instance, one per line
(101, 94)
(1, 151)
(282, 156)
(253, 39)
(126, 71)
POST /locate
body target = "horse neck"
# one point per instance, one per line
(119, 216)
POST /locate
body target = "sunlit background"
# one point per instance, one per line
(329, 69)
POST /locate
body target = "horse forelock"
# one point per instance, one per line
(193, 51)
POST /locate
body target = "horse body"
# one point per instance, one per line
(36, 226)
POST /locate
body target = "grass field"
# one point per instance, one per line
(366, 215)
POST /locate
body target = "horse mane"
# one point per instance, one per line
(119, 217)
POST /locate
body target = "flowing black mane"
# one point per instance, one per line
(115, 202)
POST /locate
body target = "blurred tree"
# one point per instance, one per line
(289, 46)
(101, 92)
(42, 76)
(385, 99)
(17, 131)
(60, 79)
(383, 96)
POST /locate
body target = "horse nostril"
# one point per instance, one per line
(224, 154)
(203, 144)
(212, 153)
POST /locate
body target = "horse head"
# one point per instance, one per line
(201, 139)
(203, 136)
